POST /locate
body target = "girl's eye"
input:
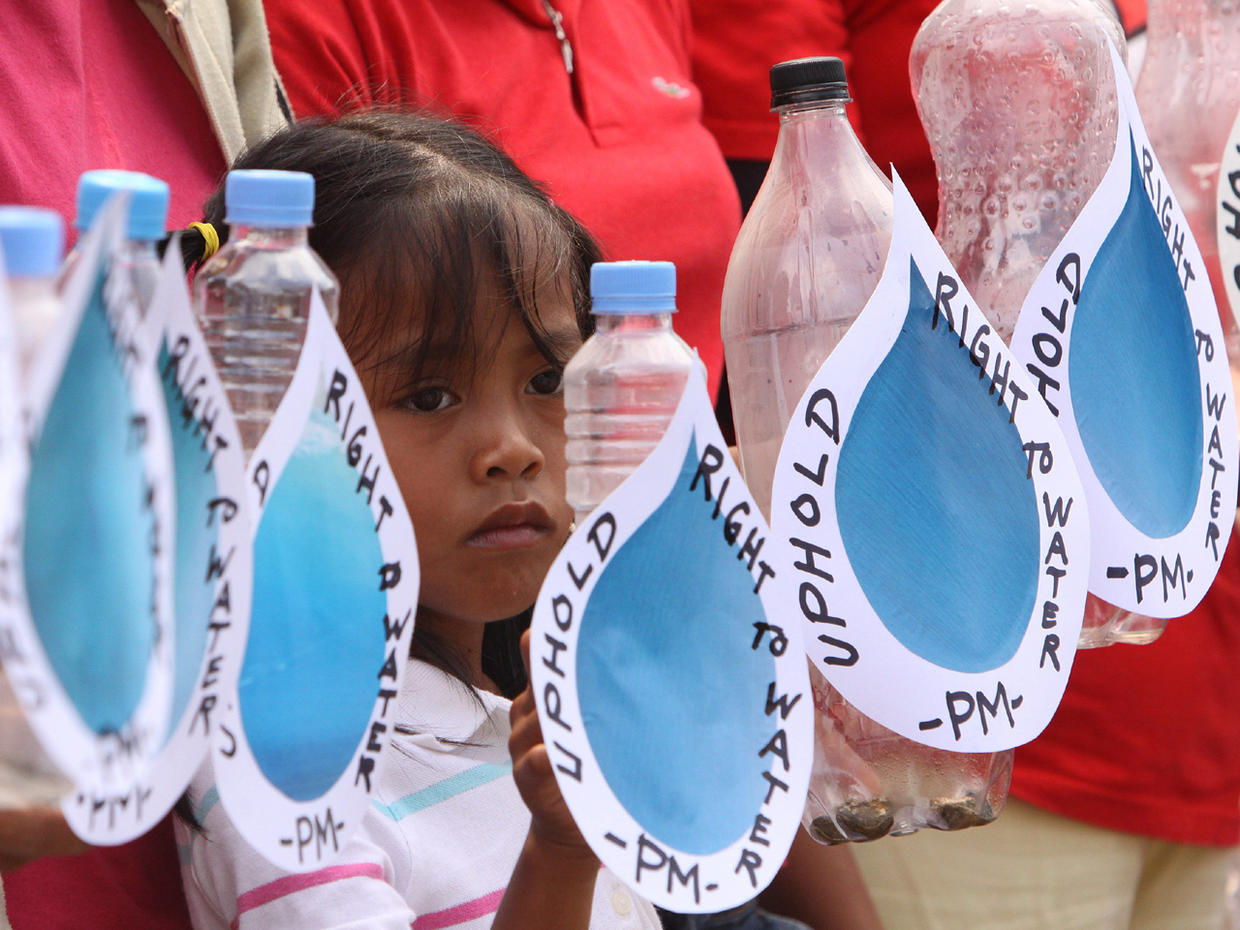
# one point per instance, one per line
(546, 382)
(430, 399)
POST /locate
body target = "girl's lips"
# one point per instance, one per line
(512, 526)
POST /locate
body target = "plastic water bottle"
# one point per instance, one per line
(145, 224)
(1018, 103)
(252, 297)
(809, 254)
(806, 259)
(622, 387)
(1189, 95)
(34, 241)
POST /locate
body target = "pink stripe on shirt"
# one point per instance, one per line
(289, 884)
(479, 907)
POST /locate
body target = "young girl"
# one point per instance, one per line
(463, 293)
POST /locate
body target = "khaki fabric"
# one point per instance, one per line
(1032, 870)
(224, 49)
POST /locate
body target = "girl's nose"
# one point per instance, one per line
(508, 449)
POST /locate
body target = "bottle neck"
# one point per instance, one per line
(818, 134)
(795, 113)
(282, 237)
(610, 323)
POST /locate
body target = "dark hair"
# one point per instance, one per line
(415, 210)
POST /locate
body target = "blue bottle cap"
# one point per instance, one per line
(269, 199)
(148, 201)
(33, 241)
(622, 288)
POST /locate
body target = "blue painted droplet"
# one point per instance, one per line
(937, 517)
(87, 548)
(309, 679)
(672, 697)
(1132, 366)
(195, 488)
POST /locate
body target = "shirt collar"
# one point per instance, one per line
(440, 708)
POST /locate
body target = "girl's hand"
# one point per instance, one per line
(32, 833)
(551, 822)
(552, 885)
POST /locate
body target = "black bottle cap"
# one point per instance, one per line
(807, 80)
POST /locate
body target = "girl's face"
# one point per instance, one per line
(478, 452)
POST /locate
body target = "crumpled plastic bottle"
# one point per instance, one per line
(809, 254)
(1018, 103)
(1189, 94)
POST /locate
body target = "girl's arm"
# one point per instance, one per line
(821, 886)
(552, 885)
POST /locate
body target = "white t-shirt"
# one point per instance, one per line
(436, 849)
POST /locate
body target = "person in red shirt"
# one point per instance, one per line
(735, 42)
(594, 100)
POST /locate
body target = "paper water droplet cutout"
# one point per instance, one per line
(307, 684)
(87, 499)
(211, 575)
(895, 498)
(1133, 328)
(673, 701)
(335, 592)
(634, 620)
(1227, 233)
(99, 519)
(1121, 335)
(933, 526)
(197, 487)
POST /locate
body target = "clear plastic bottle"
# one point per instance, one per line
(252, 297)
(1018, 103)
(1189, 94)
(805, 261)
(807, 258)
(144, 225)
(33, 242)
(622, 387)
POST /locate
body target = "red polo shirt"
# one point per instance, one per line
(619, 143)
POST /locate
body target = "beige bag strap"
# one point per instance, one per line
(224, 48)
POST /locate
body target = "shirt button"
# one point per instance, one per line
(621, 903)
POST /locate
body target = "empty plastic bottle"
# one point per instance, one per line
(1189, 94)
(145, 224)
(1018, 103)
(252, 297)
(805, 261)
(622, 387)
(34, 241)
(807, 258)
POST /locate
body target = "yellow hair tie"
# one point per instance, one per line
(210, 239)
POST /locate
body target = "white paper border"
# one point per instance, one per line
(293, 835)
(1183, 565)
(122, 814)
(870, 667)
(98, 763)
(669, 877)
